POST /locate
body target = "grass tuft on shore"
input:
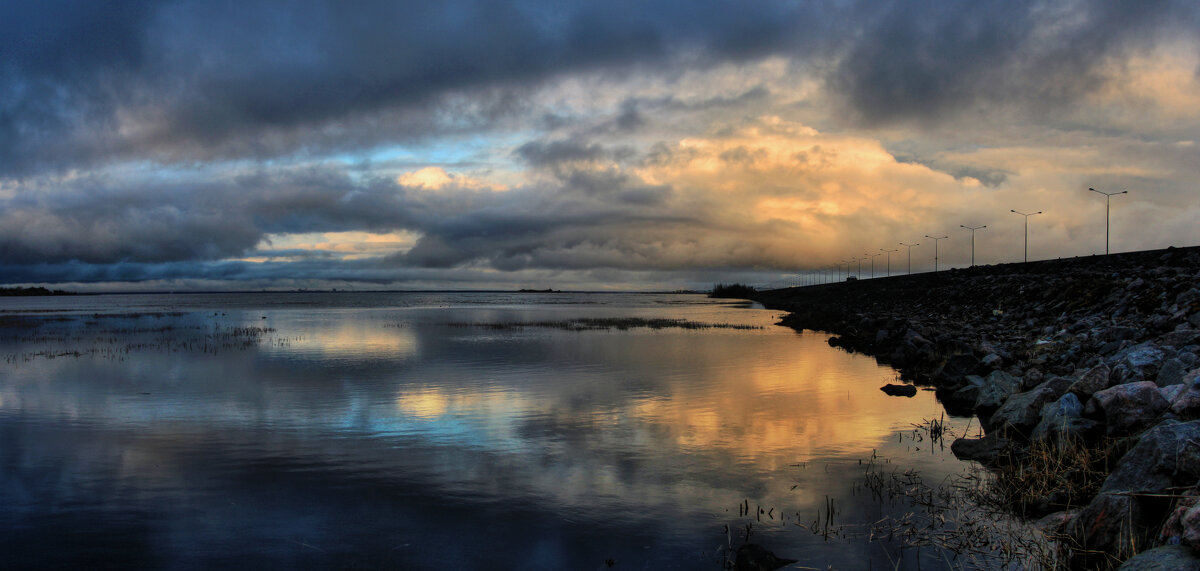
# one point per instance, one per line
(1049, 476)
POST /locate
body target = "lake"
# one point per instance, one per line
(450, 431)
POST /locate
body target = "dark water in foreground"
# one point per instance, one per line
(401, 431)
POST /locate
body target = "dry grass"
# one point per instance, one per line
(1049, 476)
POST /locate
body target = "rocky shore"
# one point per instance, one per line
(1091, 362)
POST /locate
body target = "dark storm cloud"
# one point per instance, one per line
(927, 61)
(184, 79)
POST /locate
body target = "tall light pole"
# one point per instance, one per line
(910, 247)
(889, 260)
(1026, 229)
(872, 257)
(973, 229)
(1107, 197)
(935, 249)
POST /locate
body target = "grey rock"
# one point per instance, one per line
(1172, 392)
(1023, 411)
(1107, 527)
(1095, 379)
(1128, 408)
(1139, 356)
(1055, 523)
(1120, 333)
(1122, 374)
(1062, 420)
(1166, 456)
(1186, 405)
(996, 389)
(911, 337)
(992, 361)
(984, 450)
(1171, 372)
(1183, 525)
(1165, 558)
(1180, 337)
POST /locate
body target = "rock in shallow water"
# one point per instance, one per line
(899, 390)
(983, 450)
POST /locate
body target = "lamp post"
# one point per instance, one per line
(889, 260)
(872, 257)
(1107, 198)
(973, 229)
(935, 249)
(1026, 229)
(910, 247)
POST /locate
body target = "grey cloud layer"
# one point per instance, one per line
(89, 85)
(180, 80)
(84, 81)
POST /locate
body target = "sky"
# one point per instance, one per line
(183, 145)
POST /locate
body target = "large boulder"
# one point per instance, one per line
(1171, 373)
(1023, 411)
(1180, 338)
(1063, 421)
(1166, 456)
(1186, 406)
(984, 450)
(1183, 526)
(1128, 408)
(996, 389)
(1165, 558)
(1112, 526)
(1132, 503)
(1091, 381)
(961, 401)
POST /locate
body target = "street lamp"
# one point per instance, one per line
(872, 257)
(1026, 229)
(1107, 197)
(910, 247)
(889, 260)
(973, 229)
(935, 249)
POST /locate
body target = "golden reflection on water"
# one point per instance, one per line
(353, 339)
(673, 427)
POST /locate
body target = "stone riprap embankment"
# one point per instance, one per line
(1101, 350)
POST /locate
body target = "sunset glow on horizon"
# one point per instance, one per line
(187, 145)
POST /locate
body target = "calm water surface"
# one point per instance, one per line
(434, 431)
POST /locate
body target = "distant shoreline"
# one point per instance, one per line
(32, 292)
